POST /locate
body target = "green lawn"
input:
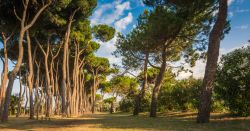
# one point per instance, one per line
(122, 121)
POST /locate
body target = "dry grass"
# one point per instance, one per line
(126, 122)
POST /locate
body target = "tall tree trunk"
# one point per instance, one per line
(158, 84)
(82, 105)
(92, 99)
(27, 99)
(37, 90)
(23, 29)
(19, 107)
(211, 66)
(140, 96)
(4, 73)
(95, 84)
(69, 89)
(64, 64)
(30, 76)
(111, 110)
(80, 94)
(12, 76)
(64, 69)
(57, 91)
(52, 82)
(48, 90)
(41, 102)
(74, 80)
(52, 85)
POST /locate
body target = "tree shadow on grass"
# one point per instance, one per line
(178, 114)
(126, 121)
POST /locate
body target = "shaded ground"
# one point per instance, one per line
(118, 122)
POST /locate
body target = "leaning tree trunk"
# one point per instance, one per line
(4, 73)
(12, 76)
(158, 84)
(23, 29)
(213, 54)
(140, 97)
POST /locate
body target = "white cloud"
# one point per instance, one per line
(106, 49)
(199, 69)
(98, 13)
(109, 13)
(121, 7)
(242, 27)
(124, 22)
(225, 51)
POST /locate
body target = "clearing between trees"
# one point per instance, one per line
(127, 122)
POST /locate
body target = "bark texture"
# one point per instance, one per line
(23, 28)
(158, 84)
(30, 77)
(4, 73)
(141, 95)
(212, 58)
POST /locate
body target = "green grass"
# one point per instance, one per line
(122, 121)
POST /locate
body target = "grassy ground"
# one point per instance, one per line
(121, 121)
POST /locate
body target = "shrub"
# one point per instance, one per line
(233, 81)
(126, 105)
(182, 95)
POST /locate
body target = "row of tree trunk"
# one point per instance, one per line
(52, 90)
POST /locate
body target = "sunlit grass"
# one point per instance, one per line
(124, 121)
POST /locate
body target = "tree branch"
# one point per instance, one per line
(136, 56)
(37, 15)
(57, 51)
(157, 67)
(44, 53)
(19, 18)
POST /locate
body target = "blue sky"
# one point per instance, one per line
(123, 14)
(120, 14)
(239, 14)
